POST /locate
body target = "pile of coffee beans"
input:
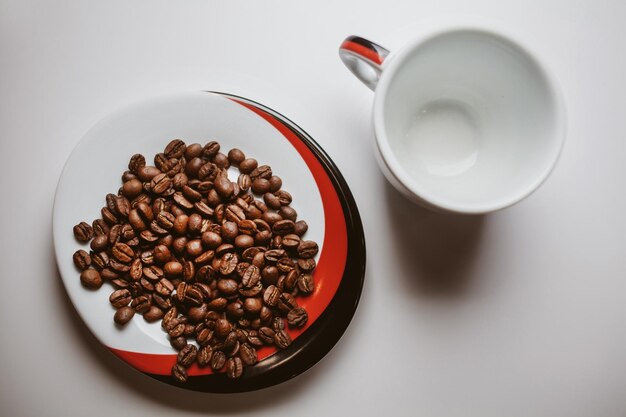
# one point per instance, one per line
(182, 243)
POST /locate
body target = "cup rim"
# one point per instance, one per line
(391, 67)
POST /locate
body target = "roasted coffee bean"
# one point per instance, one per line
(285, 265)
(160, 183)
(100, 259)
(297, 317)
(307, 249)
(123, 315)
(153, 314)
(108, 216)
(271, 217)
(222, 328)
(175, 149)
(161, 254)
(165, 219)
(147, 173)
(306, 284)
(283, 227)
(274, 255)
(173, 269)
(218, 360)
(251, 276)
(307, 265)
(204, 355)
(90, 278)
(291, 280)
(282, 340)
(194, 225)
(228, 263)
(187, 355)
(267, 335)
(227, 286)
(211, 149)
(146, 212)
(248, 165)
(180, 181)
(252, 291)
(253, 213)
(193, 296)
(179, 373)
(224, 187)
(217, 304)
(271, 200)
(120, 298)
(208, 172)
(211, 239)
(194, 247)
(260, 186)
(170, 315)
(277, 242)
(81, 259)
(278, 323)
(175, 328)
(164, 287)
(269, 275)
(236, 156)
(235, 368)
(288, 213)
(252, 306)
(100, 242)
(193, 151)
(254, 339)
(266, 314)
(122, 206)
(122, 252)
(136, 161)
(291, 241)
(275, 183)
(234, 310)
(271, 296)
(263, 172)
(141, 304)
(153, 273)
(300, 227)
(248, 354)
(135, 220)
(148, 236)
(206, 273)
(229, 231)
(244, 241)
(178, 342)
(204, 336)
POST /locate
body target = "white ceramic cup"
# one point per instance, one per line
(465, 119)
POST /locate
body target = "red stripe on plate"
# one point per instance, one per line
(328, 274)
(364, 51)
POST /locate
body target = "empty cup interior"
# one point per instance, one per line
(471, 121)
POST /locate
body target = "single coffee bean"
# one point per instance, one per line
(288, 213)
(132, 188)
(248, 165)
(224, 187)
(175, 149)
(271, 217)
(291, 241)
(211, 149)
(178, 342)
(260, 186)
(147, 173)
(141, 304)
(161, 254)
(282, 340)
(221, 161)
(291, 280)
(180, 181)
(252, 306)
(307, 249)
(194, 247)
(193, 151)
(235, 310)
(227, 286)
(160, 183)
(187, 355)
(81, 259)
(248, 354)
(267, 335)
(278, 323)
(283, 227)
(271, 200)
(274, 255)
(108, 216)
(234, 368)
(254, 339)
(228, 263)
(297, 317)
(285, 265)
(179, 373)
(271, 296)
(123, 315)
(236, 156)
(99, 243)
(251, 276)
(122, 252)
(244, 241)
(194, 225)
(100, 259)
(263, 171)
(275, 183)
(136, 161)
(306, 284)
(252, 291)
(120, 298)
(222, 328)
(153, 314)
(300, 227)
(90, 278)
(269, 275)
(211, 239)
(204, 355)
(286, 302)
(253, 213)
(165, 220)
(173, 269)
(164, 287)
(218, 360)
(307, 265)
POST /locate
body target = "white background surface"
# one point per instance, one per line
(519, 313)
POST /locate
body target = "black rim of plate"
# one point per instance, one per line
(312, 345)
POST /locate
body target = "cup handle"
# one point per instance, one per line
(364, 58)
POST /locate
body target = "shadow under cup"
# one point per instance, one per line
(468, 121)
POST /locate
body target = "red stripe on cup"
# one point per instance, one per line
(328, 274)
(363, 51)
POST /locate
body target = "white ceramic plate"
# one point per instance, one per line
(319, 193)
